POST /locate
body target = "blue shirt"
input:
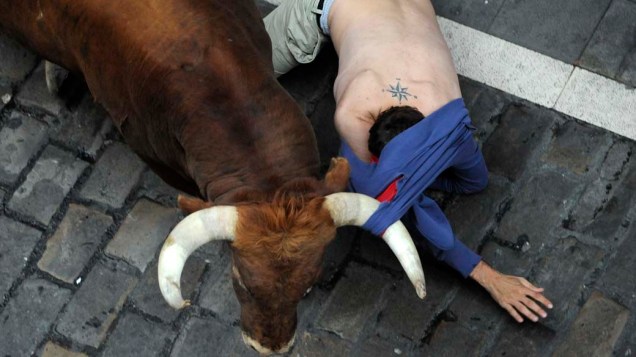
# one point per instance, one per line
(417, 157)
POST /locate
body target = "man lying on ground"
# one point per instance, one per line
(392, 54)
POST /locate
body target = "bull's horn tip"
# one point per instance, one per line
(421, 290)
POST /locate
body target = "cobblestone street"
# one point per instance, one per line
(82, 220)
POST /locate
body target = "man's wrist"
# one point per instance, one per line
(482, 273)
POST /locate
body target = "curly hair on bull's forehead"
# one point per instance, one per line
(288, 228)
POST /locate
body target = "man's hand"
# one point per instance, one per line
(513, 293)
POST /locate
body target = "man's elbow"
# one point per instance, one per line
(477, 185)
(482, 183)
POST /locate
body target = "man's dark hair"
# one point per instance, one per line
(389, 124)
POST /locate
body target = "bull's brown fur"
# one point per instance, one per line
(189, 84)
(284, 243)
(169, 71)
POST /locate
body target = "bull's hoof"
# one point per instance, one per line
(55, 77)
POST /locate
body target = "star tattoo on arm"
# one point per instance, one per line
(399, 92)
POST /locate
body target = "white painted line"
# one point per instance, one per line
(504, 65)
(600, 101)
(541, 79)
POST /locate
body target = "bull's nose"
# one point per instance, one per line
(264, 350)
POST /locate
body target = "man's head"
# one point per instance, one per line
(389, 124)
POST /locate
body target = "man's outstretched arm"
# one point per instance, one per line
(515, 294)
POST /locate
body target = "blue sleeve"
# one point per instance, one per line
(467, 173)
(460, 257)
(431, 223)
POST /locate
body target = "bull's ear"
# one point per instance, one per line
(191, 204)
(337, 177)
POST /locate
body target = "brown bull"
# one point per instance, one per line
(189, 84)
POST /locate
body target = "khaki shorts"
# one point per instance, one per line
(294, 32)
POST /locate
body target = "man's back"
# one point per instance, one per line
(391, 53)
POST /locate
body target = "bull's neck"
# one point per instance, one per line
(254, 143)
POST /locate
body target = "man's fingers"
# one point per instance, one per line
(529, 285)
(534, 307)
(542, 299)
(525, 311)
(511, 310)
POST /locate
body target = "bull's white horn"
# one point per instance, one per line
(214, 223)
(355, 209)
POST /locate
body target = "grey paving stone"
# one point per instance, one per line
(347, 311)
(16, 244)
(465, 328)
(378, 347)
(29, 315)
(316, 344)
(517, 137)
(506, 260)
(626, 345)
(538, 210)
(94, 307)
(34, 94)
(309, 307)
(219, 297)
(470, 90)
(627, 72)
(475, 309)
(84, 130)
(612, 214)
(74, 242)
(560, 35)
(619, 276)
(15, 61)
(375, 251)
(612, 40)
(142, 233)
(474, 14)
(453, 339)
(114, 176)
(407, 315)
(20, 139)
(147, 296)
(563, 272)
(526, 339)
(337, 252)
(471, 216)
(6, 94)
(576, 147)
(48, 183)
(202, 337)
(135, 336)
(599, 191)
(615, 160)
(52, 349)
(156, 189)
(489, 104)
(596, 329)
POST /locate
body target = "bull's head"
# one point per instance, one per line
(277, 252)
